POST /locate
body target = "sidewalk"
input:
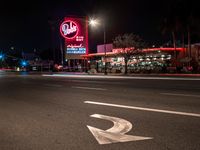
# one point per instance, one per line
(128, 75)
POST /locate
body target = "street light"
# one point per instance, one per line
(95, 22)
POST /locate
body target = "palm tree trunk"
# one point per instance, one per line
(183, 43)
(174, 43)
(126, 65)
(189, 45)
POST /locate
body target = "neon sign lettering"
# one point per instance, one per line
(69, 29)
(75, 46)
(79, 38)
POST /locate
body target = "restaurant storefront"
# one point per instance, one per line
(148, 60)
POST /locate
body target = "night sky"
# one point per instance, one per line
(26, 25)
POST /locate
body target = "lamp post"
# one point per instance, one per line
(104, 39)
(94, 23)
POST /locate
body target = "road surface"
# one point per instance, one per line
(78, 113)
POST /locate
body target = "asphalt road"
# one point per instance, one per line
(52, 113)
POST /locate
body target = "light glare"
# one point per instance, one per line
(93, 22)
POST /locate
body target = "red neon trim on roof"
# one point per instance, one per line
(144, 50)
(165, 49)
(99, 54)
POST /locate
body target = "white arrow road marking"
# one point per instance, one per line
(116, 133)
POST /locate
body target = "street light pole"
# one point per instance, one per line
(94, 23)
(105, 59)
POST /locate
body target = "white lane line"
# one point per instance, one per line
(53, 85)
(89, 88)
(144, 109)
(179, 94)
(91, 81)
(122, 77)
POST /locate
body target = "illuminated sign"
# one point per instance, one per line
(69, 29)
(75, 32)
(76, 49)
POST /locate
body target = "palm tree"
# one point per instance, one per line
(181, 19)
(169, 26)
(128, 45)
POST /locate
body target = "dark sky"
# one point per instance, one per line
(26, 24)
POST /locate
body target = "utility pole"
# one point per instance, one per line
(61, 51)
(52, 28)
(104, 37)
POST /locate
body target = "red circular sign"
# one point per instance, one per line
(69, 29)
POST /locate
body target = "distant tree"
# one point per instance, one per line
(128, 45)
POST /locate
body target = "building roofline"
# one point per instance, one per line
(144, 50)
